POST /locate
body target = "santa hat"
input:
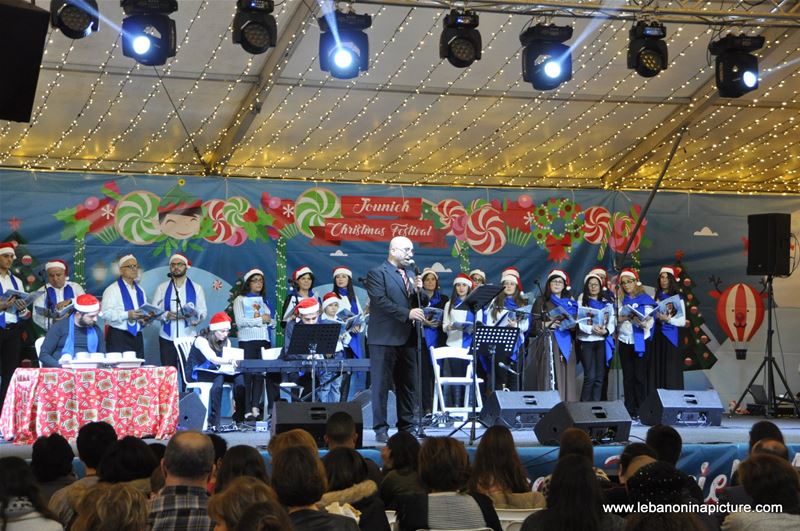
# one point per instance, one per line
(86, 303)
(250, 274)
(559, 273)
(628, 272)
(126, 258)
(341, 271)
(429, 271)
(669, 270)
(329, 299)
(593, 274)
(479, 273)
(220, 321)
(178, 257)
(598, 272)
(57, 264)
(302, 270)
(461, 278)
(511, 274)
(8, 248)
(307, 306)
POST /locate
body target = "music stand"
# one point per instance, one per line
(476, 300)
(490, 340)
(310, 339)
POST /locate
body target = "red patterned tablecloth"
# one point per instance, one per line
(139, 402)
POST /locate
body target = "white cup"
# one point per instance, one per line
(82, 356)
(129, 355)
(97, 356)
(114, 356)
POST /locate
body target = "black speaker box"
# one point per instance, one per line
(191, 412)
(24, 34)
(768, 244)
(687, 408)
(517, 409)
(312, 416)
(604, 422)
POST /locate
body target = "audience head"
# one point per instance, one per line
(575, 441)
(158, 450)
(666, 441)
(127, 459)
(266, 516)
(189, 458)
(771, 446)
(93, 441)
(630, 454)
(226, 508)
(443, 464)
(220, 446)
(770, 479)
(118, 507)
(401, 452)
(344, 467)
(239, 461)
(658, 482)
(298, 476)
(52, 458)
(17, 481)
(287, 439)
(764, 429)
(497, 464)
(340, 431)
(573, 484)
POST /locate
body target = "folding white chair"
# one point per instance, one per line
(513, 526)
(183, 345)
(441, 354)
(38, 345)
(512, 516)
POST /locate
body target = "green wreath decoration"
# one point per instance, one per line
(555, 209)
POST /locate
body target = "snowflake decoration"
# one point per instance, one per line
(529, 217)
(107, 212)
(288, 211)
(216, 285)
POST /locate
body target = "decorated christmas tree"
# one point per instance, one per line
(693, 339)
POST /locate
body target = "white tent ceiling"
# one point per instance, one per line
(413, 118)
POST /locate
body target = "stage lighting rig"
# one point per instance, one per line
(148, 34)
(647, 51)
(344, 48)
(736, 67)
(460, 42)
(254, 28)
(75, 18)
(546, 60)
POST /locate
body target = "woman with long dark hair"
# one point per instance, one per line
(595, 338)
(634, 334)
(502, 312)
(343, 286)
(240, 460)
(348, 483)
(253, 321)
(665, 363)
(400, 477)
(21, 504)
(432, 333)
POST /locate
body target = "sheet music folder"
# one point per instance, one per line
(480, 297)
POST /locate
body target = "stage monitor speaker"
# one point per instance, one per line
(605, 422)
(768, 244)
(517, 409)
(312, 417)
(24, 34)
(685, 408)
(191, 412)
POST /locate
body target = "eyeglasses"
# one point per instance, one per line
(132, 266)
(404, 250)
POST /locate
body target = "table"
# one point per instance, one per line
(139, 402)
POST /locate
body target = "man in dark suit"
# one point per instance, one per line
(392, 288)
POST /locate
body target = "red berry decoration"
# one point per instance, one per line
(693, 310)
(27, 260)
(704, 339)
(688, 361)
(687, 282)
(696, 329)
(689, 297)
(705, 355)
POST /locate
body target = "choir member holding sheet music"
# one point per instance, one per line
(254, 322)
(349, 306)
(634, 335)
(302, 287)
(552, 350)
(502, 311)
(59, 294)
(432, 332)
(331, 387)
(206, 362)
(13, 309)
(459, 325)
(595, 336)
(665, 363)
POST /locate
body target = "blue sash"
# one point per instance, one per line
(355, 337)
(637, 302)
(16, 287)
(191, 296)
(69, 344)
(52, 299)
(564, 337)
(127, 303)
(670, 331)
(466, 337)
(432, 334)
(609, 340)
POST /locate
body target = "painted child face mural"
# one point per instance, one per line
(179, 214)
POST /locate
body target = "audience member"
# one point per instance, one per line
(340, 432)
(128, 460)
(288, 439)
(92, 442)
(183, 503)
(51, 464)
(348, 483)
(226, 507)
(633, 457)
(575, 441)
(574, 500)
(220, 447)
(21, 505)
(239, 461)
(118, 507)
(400, 456)
(266, 516)
(444, 472)
(767, 479)
(667, 443)
(764, 429)
(158, 450)
(498, 472)
(299, 480)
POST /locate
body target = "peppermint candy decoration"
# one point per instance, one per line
(222, 229)
(596, 222)
(234, 210)
(136, 217)
(449, 210)
(313, 207)
(486, 232)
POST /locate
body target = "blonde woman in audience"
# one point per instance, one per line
(287, 439)
(227, 507)
(117, 507)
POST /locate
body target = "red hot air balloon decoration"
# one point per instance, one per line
(740, 312)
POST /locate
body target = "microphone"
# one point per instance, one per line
(169, 275)
(506, 367)
(363, 280)
(412, 265)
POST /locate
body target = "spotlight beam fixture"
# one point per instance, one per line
(546, 60)
(254, 28)
(75, 18)
(647, 51)
(460, 42)
(148, 34)
(343, 45)
(736, 69)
